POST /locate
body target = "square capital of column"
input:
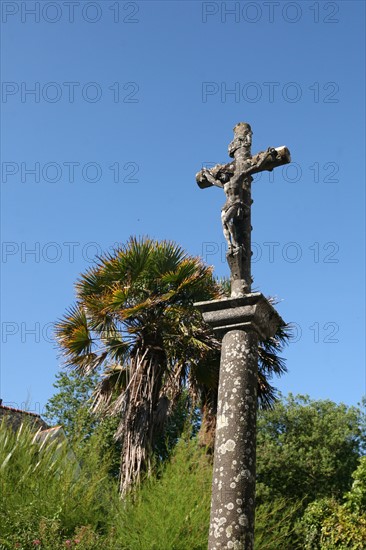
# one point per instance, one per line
(250, 312)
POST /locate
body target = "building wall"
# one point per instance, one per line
(16, 416)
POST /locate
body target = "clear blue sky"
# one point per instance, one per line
(144, 88)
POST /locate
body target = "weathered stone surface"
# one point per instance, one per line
(252, 311)
(233, 481)
(236, 178)
(240, 321)
(283, 156)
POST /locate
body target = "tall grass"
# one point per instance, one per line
(46, 495)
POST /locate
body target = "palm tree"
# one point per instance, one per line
(134, 320)
(134, 323)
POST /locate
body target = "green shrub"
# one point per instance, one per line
(170, 511)
(330, 525)
(276, 525)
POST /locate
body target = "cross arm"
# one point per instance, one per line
(267, 160)
(206, 174)
(217, 175)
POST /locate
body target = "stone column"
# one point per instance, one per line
(240, 322)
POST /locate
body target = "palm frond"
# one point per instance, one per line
(72, 333)
(114, 382)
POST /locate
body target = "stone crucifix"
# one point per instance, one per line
(236, 178)
(241, 321)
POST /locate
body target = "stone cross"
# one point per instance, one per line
(236, 178)
(241, 321)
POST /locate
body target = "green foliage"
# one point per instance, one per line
(275, 525)
(329, 525)
(308, 449)
(356, 498)
(46, 493)
(60, 508)
(49, 496)
(170, 511)
(70, 406)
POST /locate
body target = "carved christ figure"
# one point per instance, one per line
(235, 178)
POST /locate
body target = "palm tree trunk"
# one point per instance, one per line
(137, 429)
(206, 434)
